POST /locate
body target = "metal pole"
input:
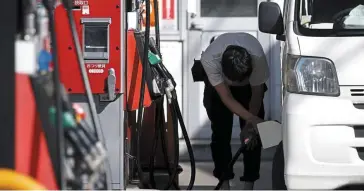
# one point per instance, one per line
(9, 20)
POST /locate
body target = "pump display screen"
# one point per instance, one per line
(96, 40)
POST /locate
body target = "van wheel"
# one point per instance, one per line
(278, 182)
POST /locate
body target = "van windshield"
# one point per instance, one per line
(325, 17)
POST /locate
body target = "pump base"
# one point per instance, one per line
(161, 178)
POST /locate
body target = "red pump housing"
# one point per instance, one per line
(31, 149)
(134, 70)
(98, 25)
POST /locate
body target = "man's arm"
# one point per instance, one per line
(230, 102)
(256, 99)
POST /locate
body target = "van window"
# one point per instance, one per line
(229, 8)
(330, 17)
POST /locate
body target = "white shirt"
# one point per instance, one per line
(211, 59)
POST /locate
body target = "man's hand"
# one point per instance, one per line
(249, 136)
(254, 120)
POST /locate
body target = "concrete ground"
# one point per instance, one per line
(205, 180)
(204, 168)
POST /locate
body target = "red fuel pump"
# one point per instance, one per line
(133, 75)
(98, 27)
(32, 132)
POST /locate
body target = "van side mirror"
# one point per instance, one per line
(270, 18)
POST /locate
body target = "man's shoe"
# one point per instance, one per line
(225, 185)
(248, 186)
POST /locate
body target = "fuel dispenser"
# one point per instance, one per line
(99, 54)
(90, 45)
(90, 40)
(157, 85)
(46, 142)
(98, 26)
(52, 141)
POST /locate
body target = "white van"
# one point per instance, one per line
(323, 76)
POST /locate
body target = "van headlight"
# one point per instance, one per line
(310, 75)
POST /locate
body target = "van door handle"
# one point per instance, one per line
(194, 23)
(196, 26)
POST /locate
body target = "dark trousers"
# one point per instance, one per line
(221, 124)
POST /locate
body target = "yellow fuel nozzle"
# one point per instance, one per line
(79, 111)
(11, 180)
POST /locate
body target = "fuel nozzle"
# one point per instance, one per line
(79, 112)
(155, 60)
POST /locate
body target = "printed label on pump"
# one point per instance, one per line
(101, 66)
(95, 66)
(80, 2)
(85, 10)
(96, 71)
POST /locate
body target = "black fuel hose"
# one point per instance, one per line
(139, 125)
(176, 116)
(49, 4)
(90, 100)
(171, 172)
(177, 112)
(187, 140)
(160, 131)
(156, 28)
(157, 123)
(231, 164)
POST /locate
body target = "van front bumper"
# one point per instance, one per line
(321, 142)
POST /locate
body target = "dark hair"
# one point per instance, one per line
(236, 63)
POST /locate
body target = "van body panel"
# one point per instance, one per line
(292, 42)
(347, 53)
(321, 145)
